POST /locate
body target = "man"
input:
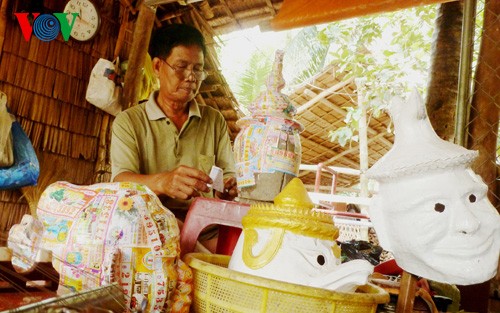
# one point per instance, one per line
(170, 143)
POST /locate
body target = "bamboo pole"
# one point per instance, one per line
(363, 141)
(137, 58)
(464, 74)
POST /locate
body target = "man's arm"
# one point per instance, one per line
(181, 183)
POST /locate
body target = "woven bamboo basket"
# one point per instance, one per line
(219, 289)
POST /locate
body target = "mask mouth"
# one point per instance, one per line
(465, 246)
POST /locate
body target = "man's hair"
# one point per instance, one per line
(170, 36)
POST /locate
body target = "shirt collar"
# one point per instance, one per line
(154, 112)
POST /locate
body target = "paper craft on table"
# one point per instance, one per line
(216, 173)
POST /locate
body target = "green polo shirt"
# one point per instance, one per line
(145, 141)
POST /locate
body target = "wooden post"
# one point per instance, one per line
(121, 34)
(407, 291)
(137, 58)
(3, 23)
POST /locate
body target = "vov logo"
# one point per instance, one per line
(46, 27)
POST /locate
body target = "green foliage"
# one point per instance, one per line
(344, 135)
(388, 53)
(252, 80)
(307, 52)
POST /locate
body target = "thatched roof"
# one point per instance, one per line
(321, 107)
(225, 16)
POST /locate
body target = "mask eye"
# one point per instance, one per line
(472, 198)
(321, 259)
(439, 207)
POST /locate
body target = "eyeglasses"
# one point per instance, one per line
(183, 72)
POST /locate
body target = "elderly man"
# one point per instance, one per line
(170, 142)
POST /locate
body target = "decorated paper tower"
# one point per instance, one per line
(267, 150)
(431, 210)
(288, 241)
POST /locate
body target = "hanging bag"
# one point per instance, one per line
(6, 145)
(102, 91)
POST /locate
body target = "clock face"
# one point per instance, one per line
(86, 23)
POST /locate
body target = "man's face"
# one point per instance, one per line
(441, 226)
(178, 81)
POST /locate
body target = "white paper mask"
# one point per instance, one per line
(431, 209)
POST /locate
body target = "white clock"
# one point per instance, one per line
(87, 22)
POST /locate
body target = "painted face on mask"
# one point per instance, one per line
(440, 226)
(431, 210)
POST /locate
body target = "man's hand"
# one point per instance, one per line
(183, 183)
(230, 190)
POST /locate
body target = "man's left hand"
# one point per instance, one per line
(230, 190)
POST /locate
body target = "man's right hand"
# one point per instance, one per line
(182, 183)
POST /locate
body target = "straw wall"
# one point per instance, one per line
(46, 83)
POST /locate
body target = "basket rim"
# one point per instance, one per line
(204, 262)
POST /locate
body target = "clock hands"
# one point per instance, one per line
(83, 21)
(88, 21)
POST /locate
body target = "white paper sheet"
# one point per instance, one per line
(216, 173)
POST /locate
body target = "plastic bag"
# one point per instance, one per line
(26, 169)
(6, 145)
(102, 90)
